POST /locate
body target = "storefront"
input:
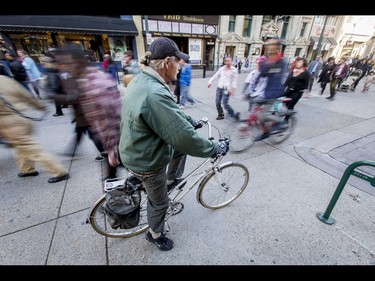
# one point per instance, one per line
(96, 35)
(194, 35)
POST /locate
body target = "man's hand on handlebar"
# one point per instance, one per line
(223, 146)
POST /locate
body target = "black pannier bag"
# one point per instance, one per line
(122, 203)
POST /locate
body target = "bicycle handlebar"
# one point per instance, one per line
(204, 120)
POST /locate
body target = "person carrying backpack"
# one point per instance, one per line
(18, 71)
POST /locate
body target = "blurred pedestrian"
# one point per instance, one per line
(325, 74)
(184, 82)
(17, 69)
(130, 67)
(362, 65)
(314, 69)
(293, 65)
(338, 74)
(369, 80)
(254, 86)
(99, 99)
(17, 131)
(4, 65)
(53, 85)
(33, 73)
(226, 87)
(274, 69)
(296, 83)
(110, 67)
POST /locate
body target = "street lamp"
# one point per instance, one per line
(319, 46)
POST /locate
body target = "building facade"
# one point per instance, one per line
(244, 36)
(194, 35)
(207, 38)
(95, 34)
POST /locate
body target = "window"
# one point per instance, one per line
(268, 19)
(303, 29)
(232, 23)
(247, 50)
(247, 26)
(285, 26)
(298, 52)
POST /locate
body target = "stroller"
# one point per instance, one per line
(348, 82)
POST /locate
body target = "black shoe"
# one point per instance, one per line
(33, 174)
(175, 183)
(262, 137)
(328, 98)
(100, 158)
(65, 106)
(57, 114)
(162, 242)
(221, 116)
(236, 116)
(57, 179)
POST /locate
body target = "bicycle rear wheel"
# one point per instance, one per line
(276, 138)
(241, 135)
(223, 185)
(98, 220)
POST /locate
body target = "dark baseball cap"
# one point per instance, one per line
(163, 47)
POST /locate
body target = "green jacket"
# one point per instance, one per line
(152, 125)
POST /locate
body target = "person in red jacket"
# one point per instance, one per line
(337, 74)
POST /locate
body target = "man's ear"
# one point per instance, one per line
(167, 62)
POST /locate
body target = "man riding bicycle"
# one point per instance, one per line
(273, 69)
(153, 126)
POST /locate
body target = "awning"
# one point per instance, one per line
(71, 24)
(316, 39)
(326, 44)
(333, 41)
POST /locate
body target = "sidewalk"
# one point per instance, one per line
(272, 223)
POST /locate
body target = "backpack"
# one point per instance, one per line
(122, 204)
(18, 71)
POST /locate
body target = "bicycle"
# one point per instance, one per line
(244, 132)
(219, 185)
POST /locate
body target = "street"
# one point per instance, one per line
(273, 222)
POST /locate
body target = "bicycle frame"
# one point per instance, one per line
(182, 192)
(253, 118)
(214, 162)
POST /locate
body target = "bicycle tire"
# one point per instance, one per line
(98, 220)
(241, 135)
(284, 134)
(216, 192)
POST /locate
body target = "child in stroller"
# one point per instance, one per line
(347, 84)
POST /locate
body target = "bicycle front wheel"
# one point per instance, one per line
(223, 185)
(98, 220)
(241, 135)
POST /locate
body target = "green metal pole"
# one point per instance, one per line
(319, 46)
(348, 172)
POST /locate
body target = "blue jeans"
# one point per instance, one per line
(184, 95)
(220, 96)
